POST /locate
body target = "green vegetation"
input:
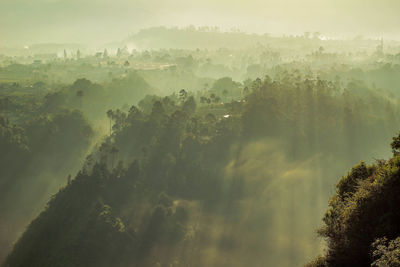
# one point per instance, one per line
(363, 215)
(220, 154)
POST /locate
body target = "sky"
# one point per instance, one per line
(94, 21)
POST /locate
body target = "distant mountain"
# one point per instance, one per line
(191, 38)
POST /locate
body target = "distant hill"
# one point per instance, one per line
(212, 38)
(191, 38)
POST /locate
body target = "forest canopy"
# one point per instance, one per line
(197, 145)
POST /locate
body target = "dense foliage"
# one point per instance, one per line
(363, 219)
(172, 160)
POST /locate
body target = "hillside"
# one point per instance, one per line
(362, 222)
(184, 181)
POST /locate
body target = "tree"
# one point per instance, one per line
(82, 84)
(225, 93)
(386, 253)
(224, 86)
(79, 94)
(190, 105)
(183, 95)
(204, 100)
(212, 97)
(363, 215)
(396, 145)
(114, 152)
(110, 115)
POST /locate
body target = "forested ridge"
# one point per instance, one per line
(171, 166)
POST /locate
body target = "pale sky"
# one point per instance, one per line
(90, 21)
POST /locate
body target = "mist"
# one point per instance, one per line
(201, 133)
(92, 22)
